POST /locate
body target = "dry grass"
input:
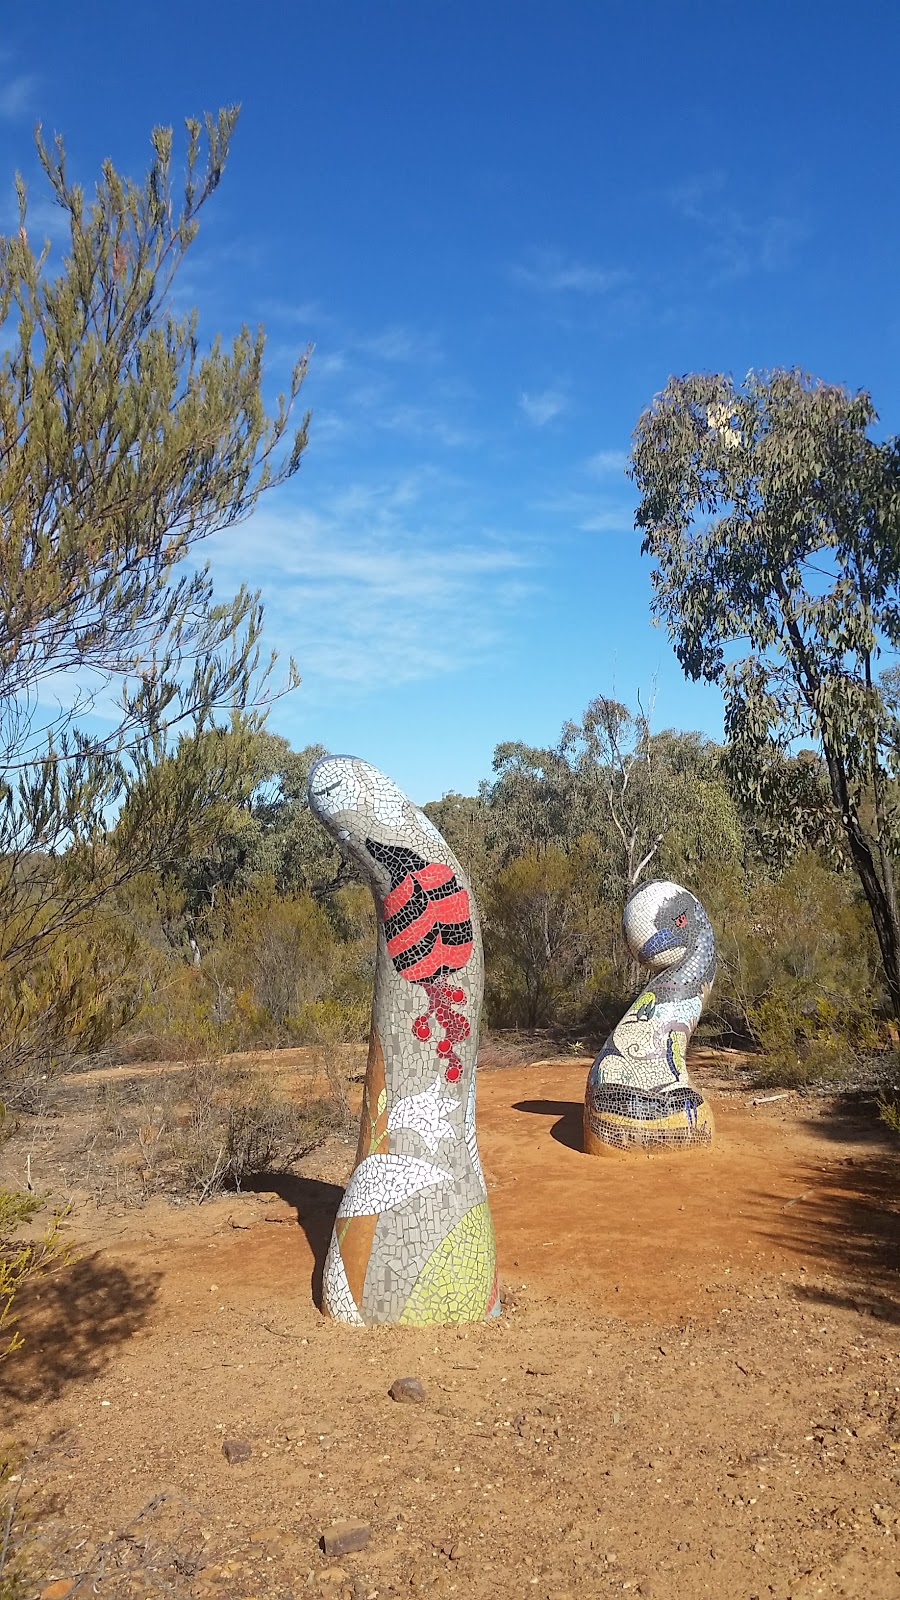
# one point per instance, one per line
(189, 1130)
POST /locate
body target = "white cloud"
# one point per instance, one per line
(615, 520)
(327, 363)
(542, 407)
(371, 404)
(588, 513)
(373, 590)
(738, 242)
(16, 96)
(44, 219)
(399, 344)
(607, 463)
(553, 273)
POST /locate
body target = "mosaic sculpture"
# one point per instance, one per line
(638, 1092)
(413, 1241)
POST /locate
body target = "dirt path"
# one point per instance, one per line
(694, 1390)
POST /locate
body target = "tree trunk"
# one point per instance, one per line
(875, 891)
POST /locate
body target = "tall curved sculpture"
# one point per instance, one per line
(413, 1241)
(638, 1092)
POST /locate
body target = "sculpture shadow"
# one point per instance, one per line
(72, 1322)
(315, 1203)
(569, 1129)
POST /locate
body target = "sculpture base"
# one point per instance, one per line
(619, 1118)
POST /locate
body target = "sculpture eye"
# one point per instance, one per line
(681, 920)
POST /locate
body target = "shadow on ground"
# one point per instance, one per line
(847, 1223)
(315, 1203)
(72, 1322)
(568, 1129)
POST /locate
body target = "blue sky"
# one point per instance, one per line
(502, 225)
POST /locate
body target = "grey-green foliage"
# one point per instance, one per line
(290, 844)
(773, 521)
(463, 820)
(124, 444)
(637, 801)
(253, 825)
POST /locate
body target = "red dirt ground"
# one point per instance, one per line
(694, 1390)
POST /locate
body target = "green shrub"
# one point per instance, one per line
(22, 1260)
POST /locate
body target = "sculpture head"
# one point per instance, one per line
(664, 925)
(361, 808)
(418, 884)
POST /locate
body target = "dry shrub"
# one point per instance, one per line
(68, 1002)
(796, 963)
(22, 1260)
(13, 1579)
(277, 972)
(330, 1025)
(889, 1102)
(197, 1132)
(239, 1125)
(807, 1040)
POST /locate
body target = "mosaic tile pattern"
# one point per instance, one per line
(638, 1091)
(413, 1240)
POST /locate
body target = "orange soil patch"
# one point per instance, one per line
(648, 1234)
(693, 1394)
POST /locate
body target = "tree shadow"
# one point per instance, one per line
(569, 1130)
(853, 1121)
(71, 1322)
(848, 1221)
(315, 1203)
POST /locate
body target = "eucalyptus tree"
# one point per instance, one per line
(123, 445)
(773, 520)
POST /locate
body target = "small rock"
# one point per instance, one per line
(342, 1538)
(410, 1390)
(58, 1590)
(235, 1450)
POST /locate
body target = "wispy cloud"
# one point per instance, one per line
(401, 344)
(329, 363)
(44, 219)
(373, 589)
(737, 243)
(607, 463)
(373, 406)
(552, 273)
(16, 96)
(541, 407)
(422, 422)
(589, 513)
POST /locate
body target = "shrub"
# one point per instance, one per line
(199, 1132)
(22, 1260)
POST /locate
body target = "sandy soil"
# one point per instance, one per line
(694, 1390)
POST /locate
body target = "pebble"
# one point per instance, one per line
(410, 1390)
(342, 1538)
(235, 1450)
